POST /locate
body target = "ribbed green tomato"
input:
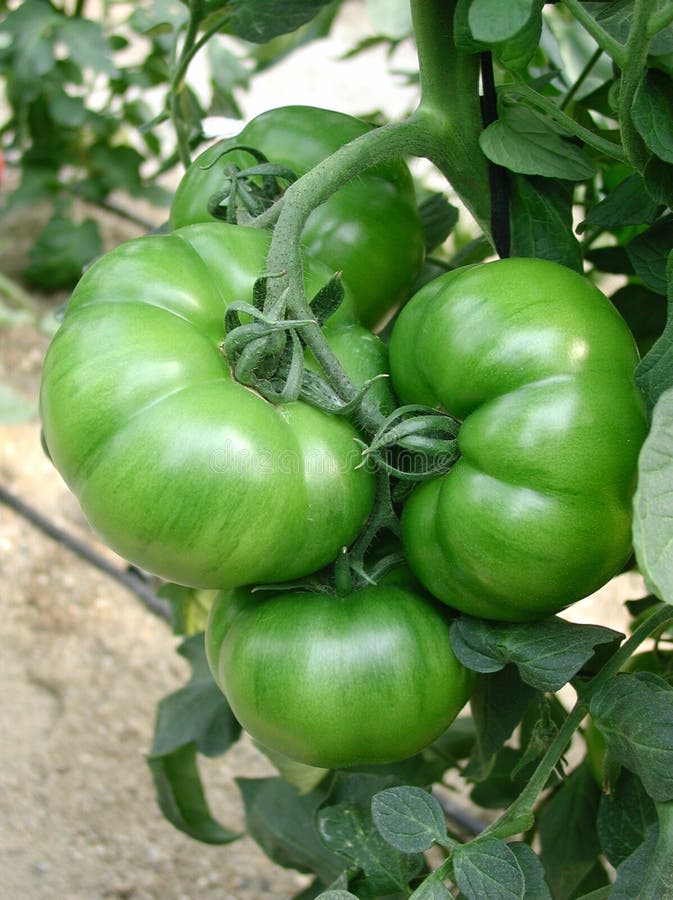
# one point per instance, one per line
(179, 468)
(539, 367)
(338, 681)
(369, 230)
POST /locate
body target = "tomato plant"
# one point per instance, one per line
(539, 368)
(226, 421)
(379, 264)
(337, 681)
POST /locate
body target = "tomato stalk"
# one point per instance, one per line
(450, 108)
(633, 66)
(445, 129)
(190, 47)
(519, 816)
(614, 49)
(301, 198)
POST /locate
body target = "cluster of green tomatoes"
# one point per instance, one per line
(199, 479)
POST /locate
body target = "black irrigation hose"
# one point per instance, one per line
(460, 817)
(134, 582)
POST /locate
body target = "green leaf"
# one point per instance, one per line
(602, 893)
(13, 407)
(390, 18)
(157, 17)
(62, 250)
(516, 52)
(117, 167)
(181, 798)
(658, 178)
(536, 887)
(87, 44)
(349, 830)
(648, 253)
(567, 832)
(283, 824)
(654, 373)
(616, 17)
(541, 220)
(547, 653)
(197, 713)
(513, 52)
(438, 219)
(505, 781)
(653, 501)
(652, 113)
(613, 259)
(336, 895)
(261, 20)
(634, 872)
(432, 888)
(492, 21)
(648, 873)
(635, 715)
(31, 29)
(525, 142)
(625, 816)
(38, 183)
(628, 204)
(498, 702)
(66, 111)
(303, 777)
(328, 299)
(409, 819)
(644, 312)
(488, 868)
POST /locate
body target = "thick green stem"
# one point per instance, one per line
(519, 816)
(451, 106)
(632, 72)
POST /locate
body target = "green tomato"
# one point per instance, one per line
(334, 681)
(539, 367)
(369, 230)
(179, 468)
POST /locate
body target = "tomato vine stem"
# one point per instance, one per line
(614, 49)
(445, 129)
(637, 45)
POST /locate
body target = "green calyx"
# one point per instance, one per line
(247, 193)
(415, 443)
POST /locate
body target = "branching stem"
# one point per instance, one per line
(614, 49)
